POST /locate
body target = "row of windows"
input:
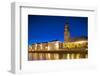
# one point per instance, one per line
(70, 45)
(75, 45)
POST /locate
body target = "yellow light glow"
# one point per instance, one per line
(35, 46)
(80, 42)
(48, 47)
(56, 56)
(68, 56)
(77, 44)
(72, 56)
(41, 46)
(77, 56)
(49, 56)
(57, 45)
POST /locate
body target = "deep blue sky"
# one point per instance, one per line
(47, 28)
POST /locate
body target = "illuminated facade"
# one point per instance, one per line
(71, 48)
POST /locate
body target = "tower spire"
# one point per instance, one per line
(66, 32)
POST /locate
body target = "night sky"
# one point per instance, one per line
(47, 28)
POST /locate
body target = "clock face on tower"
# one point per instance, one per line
(57, 37)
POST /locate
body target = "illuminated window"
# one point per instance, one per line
(35, 46)
(41, 46)
(57, 45)
(48, 47)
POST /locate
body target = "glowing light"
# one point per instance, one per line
(77, 56)
(35, 46)
(80, 42)
(72, 56)
(57, 45)
(48, 47)
(68, 56)
(77, 44)
(49, 56)
(41, 46)
(56, 56)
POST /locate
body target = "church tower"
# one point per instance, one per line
(66, 33)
